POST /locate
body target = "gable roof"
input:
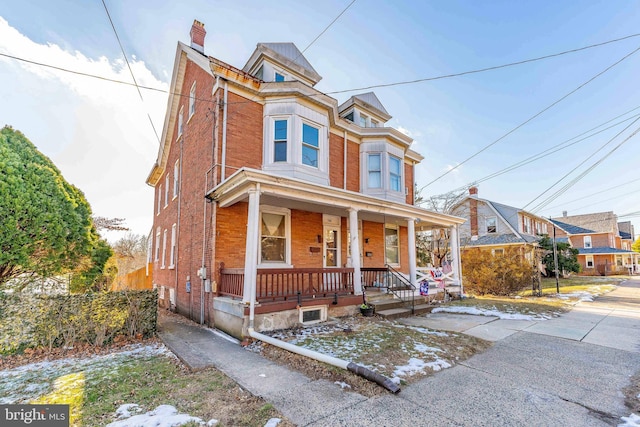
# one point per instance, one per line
(572, 229)
(601, 222)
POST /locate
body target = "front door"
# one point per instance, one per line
(331, 246)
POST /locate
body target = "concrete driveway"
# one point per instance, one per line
(568, 371)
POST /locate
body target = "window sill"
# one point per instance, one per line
(171, 267)
(275, 265)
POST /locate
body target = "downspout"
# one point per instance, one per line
(177, 250)
(344, 162)
(333, 361)
(224, 133)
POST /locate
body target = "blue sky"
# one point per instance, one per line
(98, 133)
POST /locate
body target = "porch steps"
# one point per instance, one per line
(392, 308)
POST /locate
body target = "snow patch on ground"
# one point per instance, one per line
(162, 416)
(25, 383)
(580, 296)
(492, 313)
(632, 420)
(273, 422)
(342, 384)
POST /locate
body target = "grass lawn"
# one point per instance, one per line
(147, 376)
(551, 304)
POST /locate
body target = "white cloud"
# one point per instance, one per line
(101, 138)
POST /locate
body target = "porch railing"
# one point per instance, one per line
(401, 287)
(286, 283)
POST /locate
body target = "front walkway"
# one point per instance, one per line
(536, 377)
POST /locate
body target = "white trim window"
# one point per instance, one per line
(492, 224)
(586, 240)
(526, 226)
(157, 256)
(544, 228)
(589, 261)
(176, 175)
(172, 254)
(374, 170)
(164, 249)
(280, 140)
(391, 244)
(395, 173)
(180, 122)
(310, 145)
(166, 190)
(275, 237)
(192, 100)
(363, 120)
(159, 199)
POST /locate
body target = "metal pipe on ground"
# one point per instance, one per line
(334, 361)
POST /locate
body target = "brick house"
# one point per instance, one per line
(494, 226)
(603, 248)
(265, 188)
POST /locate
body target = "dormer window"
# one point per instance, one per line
(363, 120)
(349, 116)
(381, 171)
(260, 72)
(374, 124)
(278, 77)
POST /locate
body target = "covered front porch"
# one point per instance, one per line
(308, 244)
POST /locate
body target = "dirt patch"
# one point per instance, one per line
(632, 394)
(404, 353)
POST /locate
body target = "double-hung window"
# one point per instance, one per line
(280, 141)
(310, 145)
(180, 122)
(157, 256)
(176, 174)
(587, 242)
(192, 100)
(375, 171)
(274, 236)
(492, 224)
(589, 261)
(164, 249)
(172, 255)
(394, 173)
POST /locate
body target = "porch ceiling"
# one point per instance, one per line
(302, 195)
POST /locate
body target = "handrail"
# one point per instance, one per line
(399, 291)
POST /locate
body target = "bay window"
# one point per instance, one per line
(280, 141)
(375, 171)
(310, 145)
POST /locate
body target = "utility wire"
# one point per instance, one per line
(320, 93)
(129, 67)
(598, 192)
(583, 174)
(327, 27)
(602, 200)
(486, 147)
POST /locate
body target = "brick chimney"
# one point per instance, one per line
(197, 36)
(473, 210)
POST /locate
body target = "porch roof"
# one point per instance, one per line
(298, 194)
(603, 251)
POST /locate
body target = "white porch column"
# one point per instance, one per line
(411, 244)
(355, 251)
(454, 242)
(251, 252)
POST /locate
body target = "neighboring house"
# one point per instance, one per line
(274, 204)
(495, 226)
(602, 248)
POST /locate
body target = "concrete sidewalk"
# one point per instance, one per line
(528, 377)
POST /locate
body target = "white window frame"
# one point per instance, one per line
(157, 254)
(164, 249)
(166, 190)
(287, 141)
(588, 262)
(192, 100)
(363, 118)
(495, 224)
(310, 146)
(586, 242)
(287, 235)
(159, 199)
(176, 176)
(544, 228)
(378, 171)
(172, 254)
(180, 122)
(397, 230)
(526, 225)
(391, 174)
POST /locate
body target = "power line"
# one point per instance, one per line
(481, 70)
(129, 67)
(583, 174)
(327, 27)
(598, 192)
(486, 147)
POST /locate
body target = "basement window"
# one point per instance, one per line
(312, 315)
